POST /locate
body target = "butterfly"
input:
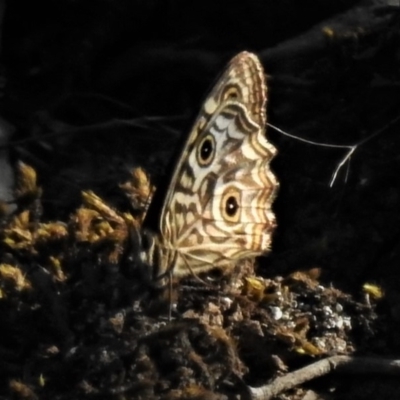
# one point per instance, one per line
(217, 209)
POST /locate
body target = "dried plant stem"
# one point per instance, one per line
(339, 364)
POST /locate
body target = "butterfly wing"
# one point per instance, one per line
(218, 206)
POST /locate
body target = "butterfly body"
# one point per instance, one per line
(218, 206)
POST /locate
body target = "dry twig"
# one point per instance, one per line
(339, 364)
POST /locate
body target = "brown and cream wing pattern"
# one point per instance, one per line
(218, 205)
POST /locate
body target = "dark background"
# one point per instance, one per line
(96, 87)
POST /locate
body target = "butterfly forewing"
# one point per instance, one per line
(218, 206)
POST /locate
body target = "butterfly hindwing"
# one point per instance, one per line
(218, 205)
